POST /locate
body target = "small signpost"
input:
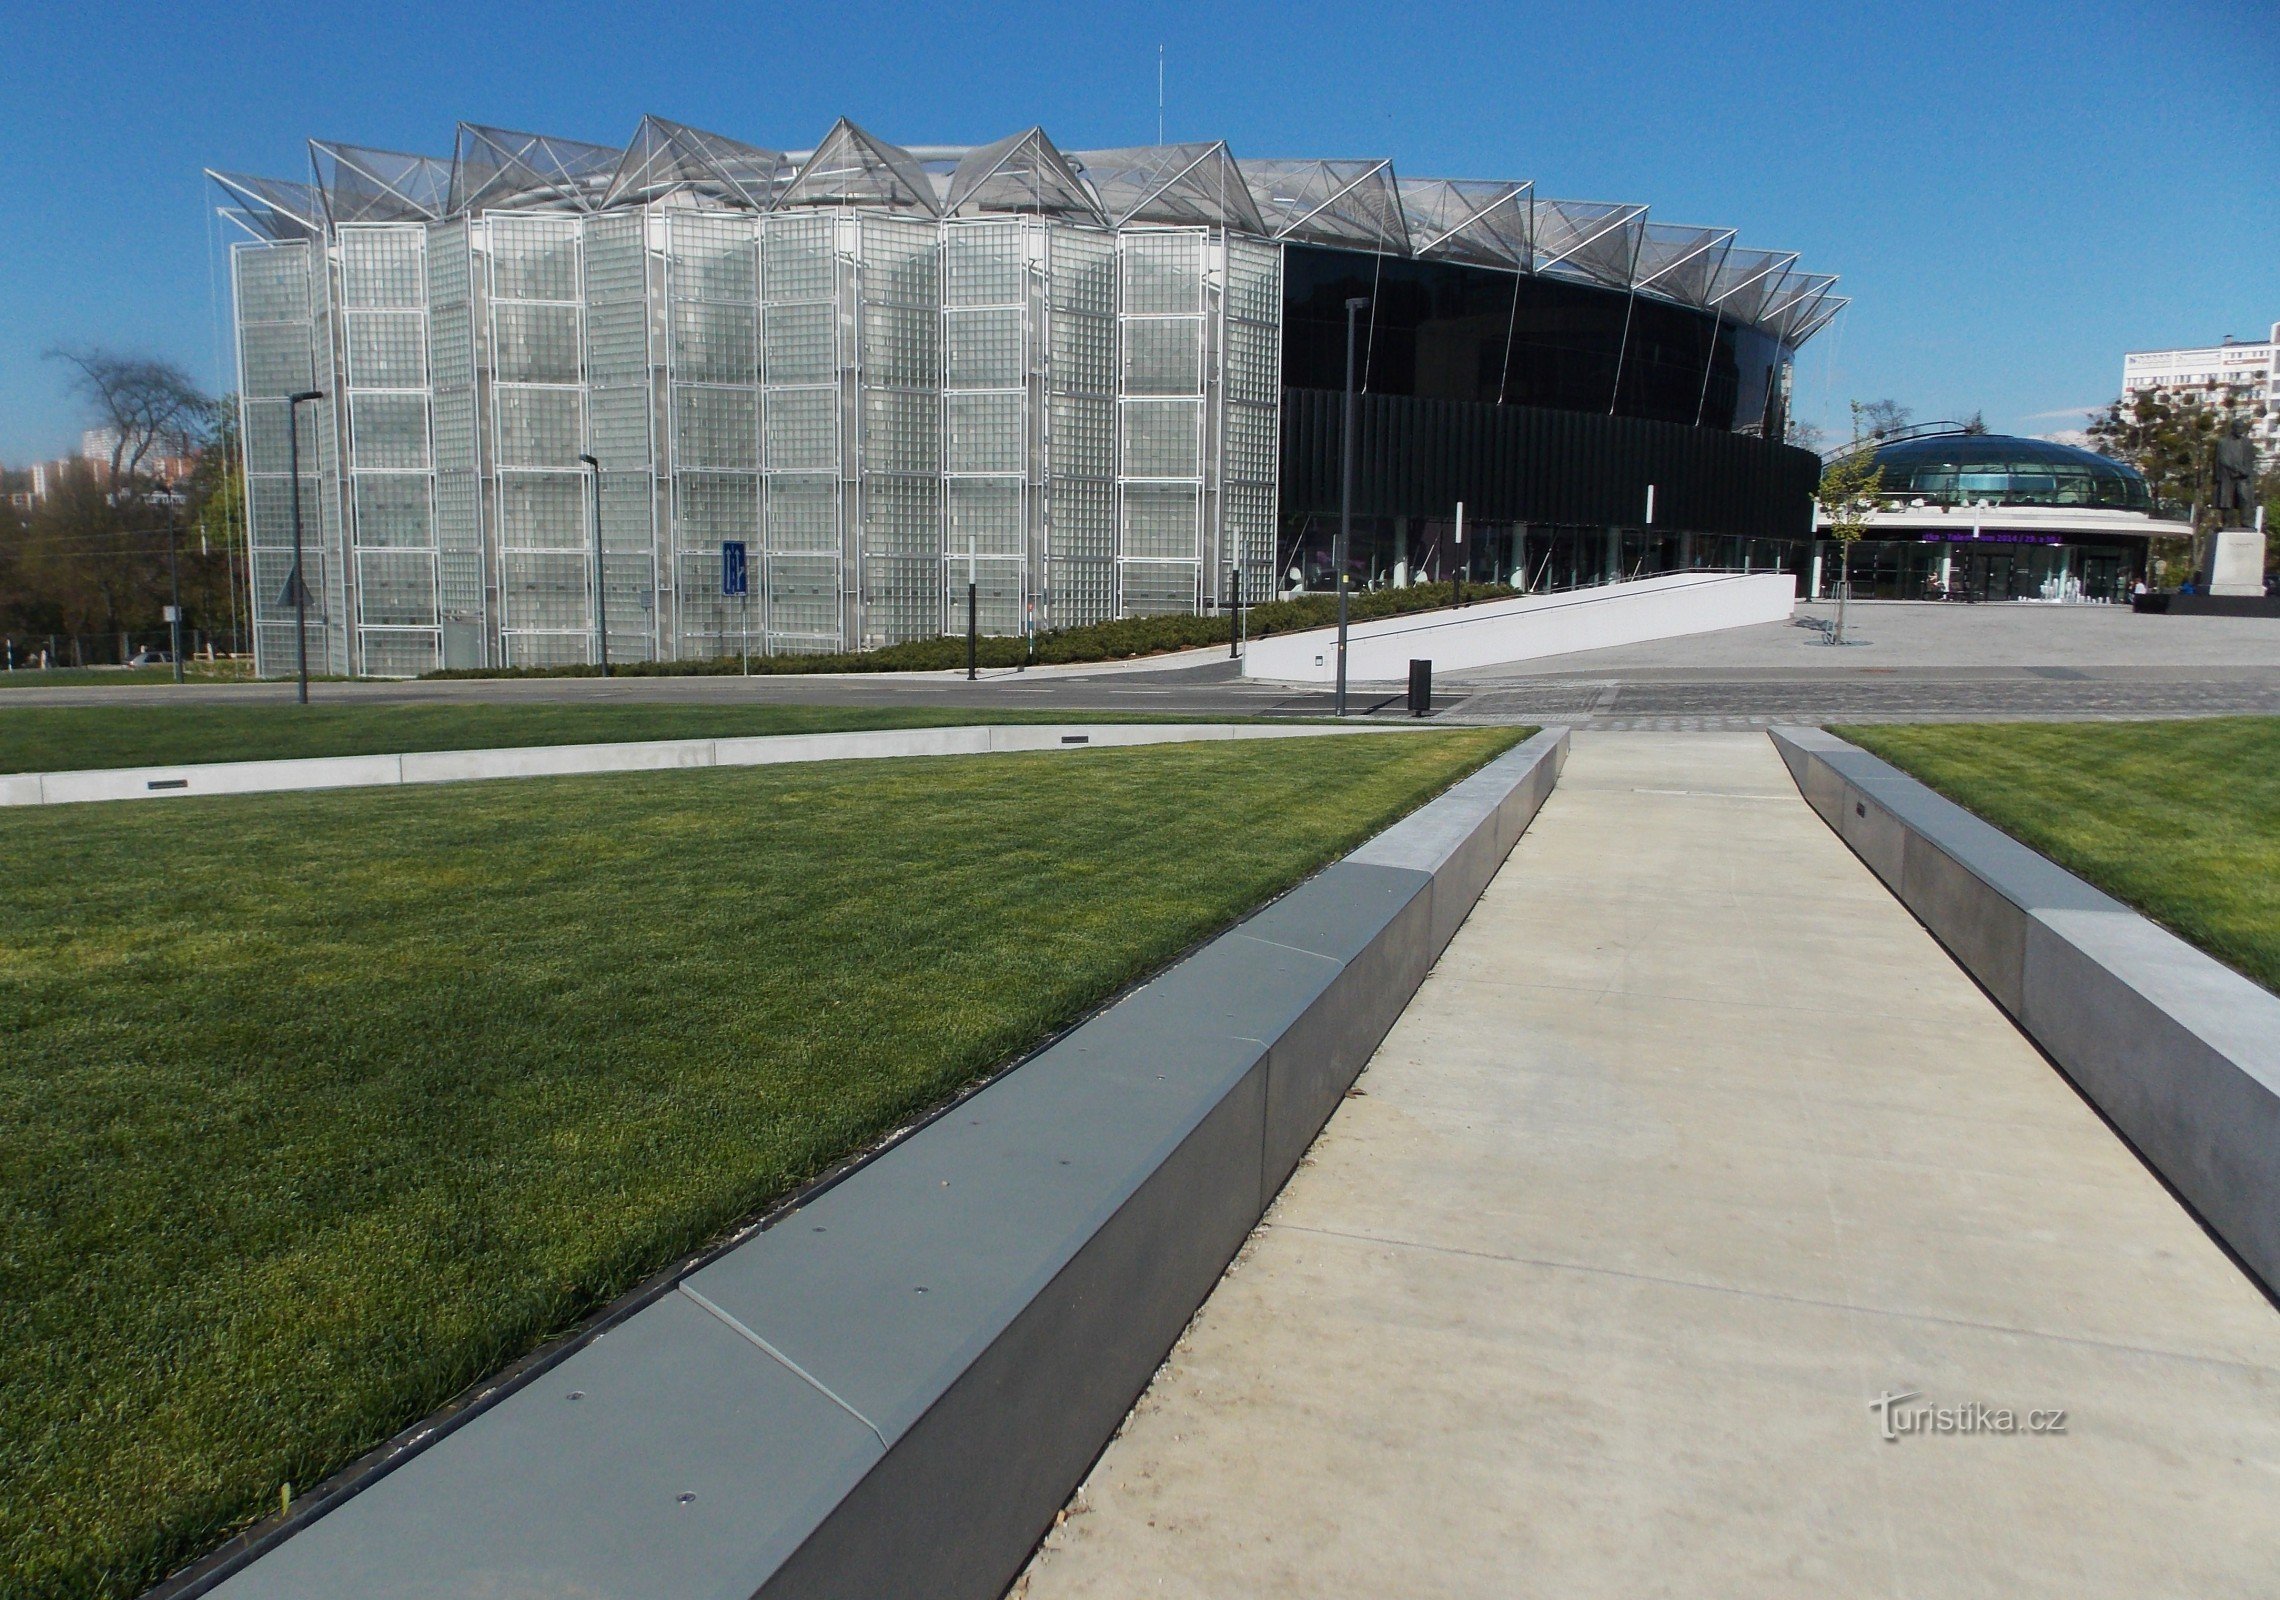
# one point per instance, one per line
(736, 584)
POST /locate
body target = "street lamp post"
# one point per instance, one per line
(293, 404)
(174, 592)
(1346, 495)
(601, 612)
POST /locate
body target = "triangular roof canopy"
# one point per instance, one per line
(1021, 173)
(272, 208)
(1818, 318)
(1466, 219)
(1186, 185)
(670, 157)
(1746, 279)
(495, 168)
(1800, 295)
(1795, 292)
(1594, 240)
(366, 185)
(1349, 203)
(854, 168)
(1682, 263)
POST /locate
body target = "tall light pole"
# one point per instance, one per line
(1346, 494)
(293, 404)
(174, 588)
(601, 614)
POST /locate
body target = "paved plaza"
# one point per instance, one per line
(1693, 1148)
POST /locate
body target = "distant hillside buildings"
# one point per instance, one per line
(2244, 376)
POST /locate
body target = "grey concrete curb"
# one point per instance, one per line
(651, 755)
(893, 1389)
(2180, 1052)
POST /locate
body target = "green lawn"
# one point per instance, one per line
(2180, 819)
(70, 738)
(316, 1108)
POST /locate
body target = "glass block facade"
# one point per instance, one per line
(1054, 382)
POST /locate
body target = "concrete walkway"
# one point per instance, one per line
(1695, 1145)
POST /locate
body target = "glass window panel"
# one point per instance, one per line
(389, 430)
(538, 427)
(535, 343)
(1163, 356)
(1162, 438)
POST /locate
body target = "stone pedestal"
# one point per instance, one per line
(2236, 562)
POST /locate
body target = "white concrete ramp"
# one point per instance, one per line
(1693, 1149)
(1528, 627)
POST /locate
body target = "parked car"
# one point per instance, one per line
(149, 658)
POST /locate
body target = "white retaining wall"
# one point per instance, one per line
(550, 760)
(1528, 626)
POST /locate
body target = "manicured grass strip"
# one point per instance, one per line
(2179, 819)
(316, 1108)
(72, 738)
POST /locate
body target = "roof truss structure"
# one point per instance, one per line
(854, 168)
(671, 158)
(365, 185)
(1595, 240)
(1351, 203)
(1024, 173)
(1466, 219)
(1818, 318)
(1799, 297)
(1193, 185)
(272, 208)
(1682, 263)
(1354, 205)
(1747, 279)
(497, 168)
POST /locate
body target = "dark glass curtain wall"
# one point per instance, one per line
(1438, 330)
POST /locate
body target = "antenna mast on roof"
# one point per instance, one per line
(1159, 94)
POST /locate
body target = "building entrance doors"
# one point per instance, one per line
(1986, 574)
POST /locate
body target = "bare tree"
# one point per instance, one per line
(150, 407)
(102, 553)
(1879, 419)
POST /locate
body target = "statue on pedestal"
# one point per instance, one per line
(2235, 470)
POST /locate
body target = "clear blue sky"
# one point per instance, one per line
(2014, 193)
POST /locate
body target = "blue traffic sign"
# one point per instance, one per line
(733, 580)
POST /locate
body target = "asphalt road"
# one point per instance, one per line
(1615, 698)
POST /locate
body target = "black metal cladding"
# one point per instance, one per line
(1415, 457)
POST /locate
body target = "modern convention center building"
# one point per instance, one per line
(1090, 384)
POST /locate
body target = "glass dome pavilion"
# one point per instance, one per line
(1988, 516)
(1995, 469)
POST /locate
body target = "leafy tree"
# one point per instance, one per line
(2172, 441)
(1852, 487)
